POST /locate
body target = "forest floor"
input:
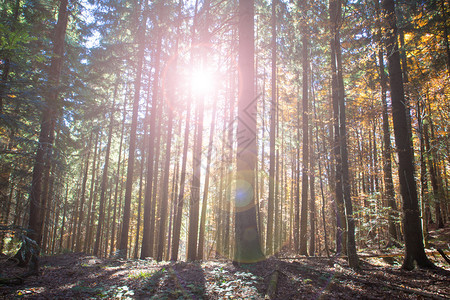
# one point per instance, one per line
(81, 276)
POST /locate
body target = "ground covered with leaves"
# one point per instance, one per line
(80, 276)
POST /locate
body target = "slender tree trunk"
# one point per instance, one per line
(273, 113)
(206, 185)
(148, 238)
(339, 193)
(61, 235)
(305, 150)
(247, 244)
(344, 179)
(81, 200)
(297, 183)
(351, 243)
(180, 199)
(389, 193)
(263, 159)
(312, 213)
(123, 244)
(414, 249)
(141, 180)
(165, 184)
(104, 182)
(433, 176)
(48, 115)
(423, 177)
(92, 189)
(194, 205)
(118, 178)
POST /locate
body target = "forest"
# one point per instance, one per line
(225, 149)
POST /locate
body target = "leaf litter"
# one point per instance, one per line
(81, 276)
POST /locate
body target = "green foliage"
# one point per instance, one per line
(141, 275)
(19, 239)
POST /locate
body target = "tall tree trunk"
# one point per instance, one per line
(414, 249)
(433, 175)
(141, 180)
(165, 184)
(272, 157)
(180, 198)
(148, 238)
(104, 182)
(344, 180)
(389, 193)
(339, 193)
(201, 240)
(312, 213)
(47, 124)
(305, 149)
(98, 143)
(123, 244)
(247, 244)
(80, 211)
(194, 204)
(118, 179)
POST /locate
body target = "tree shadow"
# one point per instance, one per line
(174, 281)
(74, 278)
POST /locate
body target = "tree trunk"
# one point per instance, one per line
(147, 239)
(414, 249)
(312, 213)
(247, 245)
(123, 244)
(92, 195)
(104, 182)
(339, 202)
(305, 149)
(389, 193)
(433, 175)
(165, 184)
(48, 115)
(206, 185)
(344, 180)
(272, 157)
(118, 178)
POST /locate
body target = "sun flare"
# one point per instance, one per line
(202, 82)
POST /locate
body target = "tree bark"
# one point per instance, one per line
(123, 244)
(101, 216)
(305, 149)
(201, 240)
(48, 115)
(344, 178)
(272, 154)
(414, 249)
(92, 194)
(247, 244)
(148, 238)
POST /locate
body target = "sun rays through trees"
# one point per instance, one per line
(240, 129)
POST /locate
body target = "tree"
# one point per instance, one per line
(248, 248)
(414, 249)
(123, 245)
(338, 98)
(389, 192)
(273, 129)
(104, 182)
(36, 218)
(305, 150)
